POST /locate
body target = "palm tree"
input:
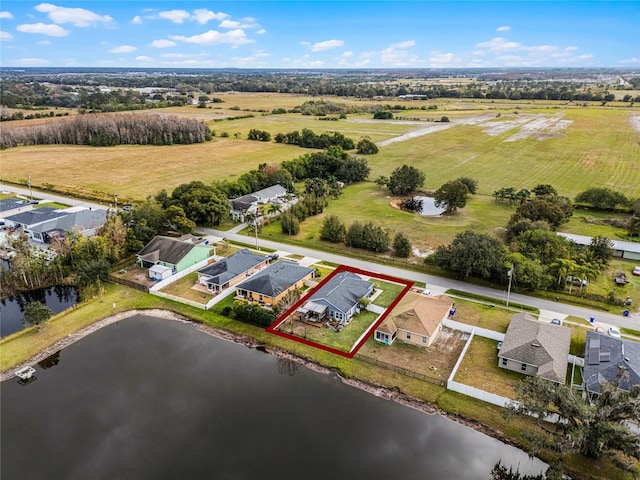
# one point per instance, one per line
(274, 208)
(252, 220)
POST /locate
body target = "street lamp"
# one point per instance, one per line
(510, 275)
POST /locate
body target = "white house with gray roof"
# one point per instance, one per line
(338, 298)
(231, 270)
(605, 357)
(250, 203)
(622, 249)
(535, 348)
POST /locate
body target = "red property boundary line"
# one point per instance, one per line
(273, 328)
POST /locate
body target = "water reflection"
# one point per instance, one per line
(50, 361)
(154, 399)
(429, 208)
(287, 366)
(57, 298)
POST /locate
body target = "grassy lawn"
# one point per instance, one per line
(184, 288)
(390, 292)
(480, 369)
(226, 302)
(51, 205)
(343, 340)
(481, 315)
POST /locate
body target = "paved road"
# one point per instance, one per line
(50, 196)
(439, 283)
(434, 283)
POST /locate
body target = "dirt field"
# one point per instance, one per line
(436, 361)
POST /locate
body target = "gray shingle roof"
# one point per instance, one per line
(604, 356)
(343, 291)
(229, 268)
(86, 219)
(273, 191)
(540, 344)
(35, 216)
(276, 278)
(165, 249)
(244, 202)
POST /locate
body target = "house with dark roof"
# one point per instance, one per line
(535, 348)
(42, 224)
(270, 285)
(604, 358)
(338, 298)
(175, 253)
(231, 270)
(417, 319)
(250, 203)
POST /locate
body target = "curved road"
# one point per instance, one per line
(435, 283)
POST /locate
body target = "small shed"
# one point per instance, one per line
(159, 272)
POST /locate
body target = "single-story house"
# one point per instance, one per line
(175, 253)
(340, 296)
(417, 319)
(621, 249)
(231, 270)
(41, 224)
(270, 285)
(249, 203)
(535, 348)
(604, 357)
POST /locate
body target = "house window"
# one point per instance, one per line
(378, 335)
(523, 367)
(504, 362)
(260, 298)
(408, 335)
(424, 339)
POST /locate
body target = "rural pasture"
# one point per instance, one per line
(570, 147)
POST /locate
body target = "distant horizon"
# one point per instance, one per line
(320, 35)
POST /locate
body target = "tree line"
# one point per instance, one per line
(109, 130)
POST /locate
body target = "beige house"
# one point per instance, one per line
(535, 348)
(417, 319)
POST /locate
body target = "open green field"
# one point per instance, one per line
(570, 147)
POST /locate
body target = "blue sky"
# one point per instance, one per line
(319, 34)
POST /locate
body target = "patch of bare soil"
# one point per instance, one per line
(542, 127)
(635, 122)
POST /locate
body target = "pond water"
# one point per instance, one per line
(57, 298)
(429, 208)
(147, 398)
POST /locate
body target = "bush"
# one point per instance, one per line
(252, 313)
(444, 119)
(290, 224)
(401, 246)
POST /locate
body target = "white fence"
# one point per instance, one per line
(168, 296)
(480, 394)
(482, 332)
(177, 276)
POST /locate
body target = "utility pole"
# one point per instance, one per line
(510, 275)
(29, 183)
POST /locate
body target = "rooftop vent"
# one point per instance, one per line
(605, 356)
(535, 344)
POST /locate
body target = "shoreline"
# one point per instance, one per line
(387, 393)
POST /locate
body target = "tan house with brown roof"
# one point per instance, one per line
(417, 319)
(535, 348)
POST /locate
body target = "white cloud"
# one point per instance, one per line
(586, 56)
(347, 54)
(326, 45)
(123, 49)
(176, 16)
(174, 55)
(78, 17)
(202, 16)
(30, 62)
(4, 36)
(262, 31)
(6, 15)
(137, 20)
(243, 23)
(213, 37)
(163, 43)
(498, 44)
(398, 55)
(504, 28)
(43, 29)
(44, 42)
(144, 58)
(440, 59)
(632, 60)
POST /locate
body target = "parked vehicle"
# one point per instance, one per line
(620, 279)
(599, 330)
(636, 270)
(556, 321)
(614, 332)
(577, 281)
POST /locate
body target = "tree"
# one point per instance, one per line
(177, 220)
(544, 208)
(591, 428)
(470, 254)
(36, 314)
(382, 181)
(383, 115)
(333, 230)
(290, 224)
(405, 179)
(412, 204)
(353, 169)
(470, 183)
(544, 189)
(451, 195)
(444, 119)
(366, 147)
(401, 246)
(601, 249)
(602, 198)
(202, 204)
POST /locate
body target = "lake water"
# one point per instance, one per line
(154, 399)
(429, 208)
(57, 298)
